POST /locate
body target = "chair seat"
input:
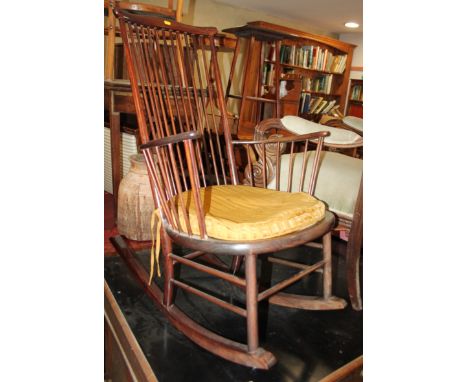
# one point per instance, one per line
(250, 213)
(337, 136)
(354, 122)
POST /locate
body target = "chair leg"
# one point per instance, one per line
(251, 292)
(266, 272)
(327, 268)
(168, 299)
(236, 264)
(353, 256)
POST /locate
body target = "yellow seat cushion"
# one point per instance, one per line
(251, 213)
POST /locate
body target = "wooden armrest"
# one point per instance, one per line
(338, 123)
(270, 140)
(275, 125)
(189, 135)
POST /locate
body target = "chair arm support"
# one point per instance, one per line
(262, 168)
(272, 140)
(189, 135)
(338, 123)
(267, 126)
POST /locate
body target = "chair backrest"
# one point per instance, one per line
(176, 87)
(182, 118)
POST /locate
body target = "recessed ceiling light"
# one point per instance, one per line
(351, 24)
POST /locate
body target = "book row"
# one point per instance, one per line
(319, 84)
(316, 105)
(313, 57)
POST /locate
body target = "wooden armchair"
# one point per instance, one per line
(200, 203)
(339, 184)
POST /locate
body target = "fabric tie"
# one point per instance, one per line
(155, 249)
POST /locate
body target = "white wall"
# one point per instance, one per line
(211, 13)
(356, 39)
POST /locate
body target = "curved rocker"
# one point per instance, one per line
(251, 354)
(214, 343)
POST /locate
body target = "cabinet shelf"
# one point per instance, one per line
(309, 69)
(321, 93)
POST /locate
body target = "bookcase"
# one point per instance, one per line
(355, 98)
(313, 73)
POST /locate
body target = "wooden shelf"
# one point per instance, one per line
(321, 93)
(309, 69)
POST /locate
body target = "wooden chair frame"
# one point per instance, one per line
(336, 122)
(177, 89)
(265, 169)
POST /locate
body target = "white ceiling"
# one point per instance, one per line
(326, 15)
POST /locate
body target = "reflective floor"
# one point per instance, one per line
(308, 345)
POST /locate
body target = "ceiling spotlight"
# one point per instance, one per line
(351, 24)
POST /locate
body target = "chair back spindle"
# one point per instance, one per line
(261, 172)
(175, 75)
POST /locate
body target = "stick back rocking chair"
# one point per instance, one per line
(201, 204)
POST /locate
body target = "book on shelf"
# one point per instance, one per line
(328, 107)
(268, 74)
(315, 103)
(321, 106)
(306, 103)
(356, 93)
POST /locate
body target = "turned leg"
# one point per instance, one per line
(168, 269)
(251, 302)
(266, 272)
(327, 268)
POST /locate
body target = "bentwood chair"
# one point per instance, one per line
(339, 182)
(200, 202)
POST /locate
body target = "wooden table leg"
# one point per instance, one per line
(114, 122)
(353, 254)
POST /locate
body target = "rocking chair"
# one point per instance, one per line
(199, 200)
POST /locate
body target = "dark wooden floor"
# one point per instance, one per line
(309, 345)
